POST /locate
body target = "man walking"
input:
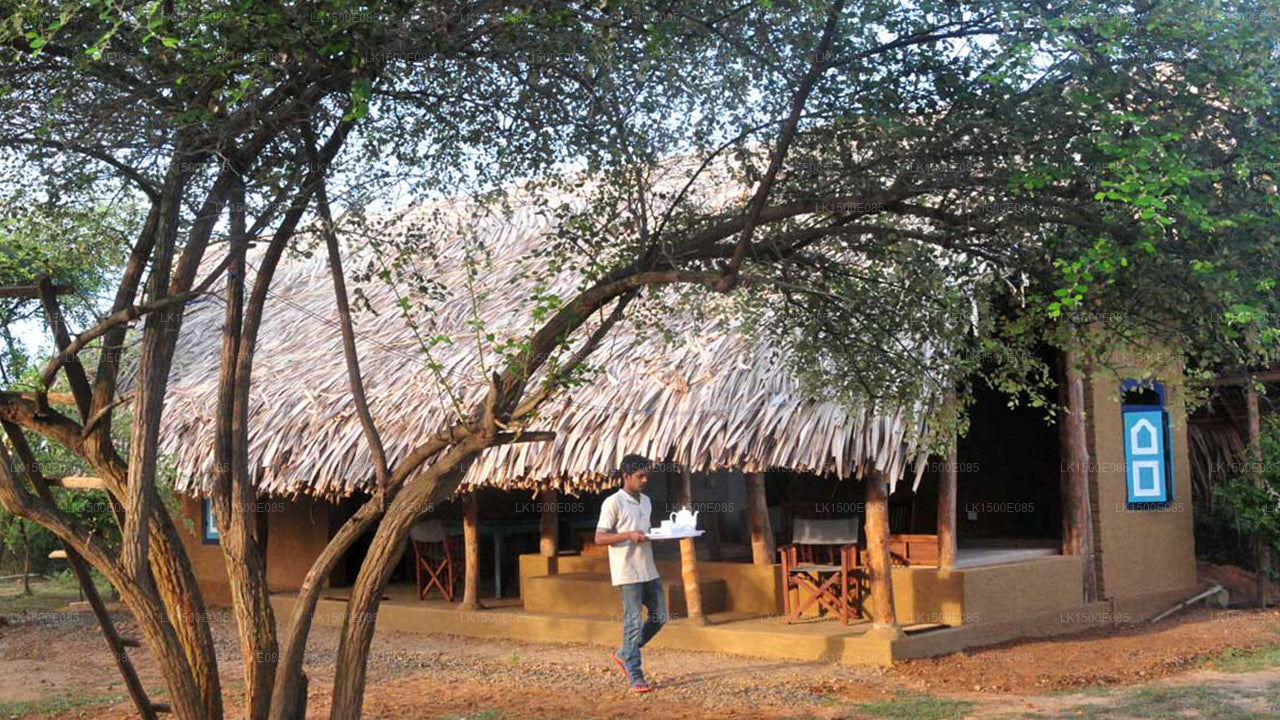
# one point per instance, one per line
(624, 522)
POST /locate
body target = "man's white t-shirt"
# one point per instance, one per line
(629, 562)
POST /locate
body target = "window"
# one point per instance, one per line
(208, 526)
(1147, 453)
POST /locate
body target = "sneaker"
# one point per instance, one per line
(640, 687)
(621, 665)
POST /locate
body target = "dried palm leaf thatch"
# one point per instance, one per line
(1216, 452)
(709, 397)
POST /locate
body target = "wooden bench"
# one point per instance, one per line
(910, 550)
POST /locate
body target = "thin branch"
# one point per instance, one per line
(102, 412)
(816, 68)
(371, 434)
(133, 174)
(127, 315)
(532, 402)
(15, 498)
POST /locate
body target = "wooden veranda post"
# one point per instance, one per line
(1261, 552)
(762, 546)
(1077, 516)
(471, 543)
(549, 527)
(688, 556)
(947, 501)
(877, 513)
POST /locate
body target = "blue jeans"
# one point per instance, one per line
(636, 630)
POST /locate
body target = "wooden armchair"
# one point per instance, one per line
(820, 568)
(437, 558)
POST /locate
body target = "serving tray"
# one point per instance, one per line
(655, 535)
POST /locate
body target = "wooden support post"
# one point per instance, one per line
(549, 528)
(78, 482)
(689, 556)
(762, 546)
(54, 398)
(1262, 553)
(947, 501)
(471, 543)
(31, 290)
(1077, 516)
(883, 614)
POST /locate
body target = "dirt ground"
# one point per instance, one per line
(1202, 663)
(1241, 584)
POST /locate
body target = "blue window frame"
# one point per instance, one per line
(208, 526)
(1148, 456)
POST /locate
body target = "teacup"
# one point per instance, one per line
(667, 527)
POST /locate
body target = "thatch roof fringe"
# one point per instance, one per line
(711, 399)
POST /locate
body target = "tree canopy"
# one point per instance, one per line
(907, 195)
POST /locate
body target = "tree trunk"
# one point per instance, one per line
(233, 495)
(299, 703)
(471, 540)
(143, 602)
(180, 596)
(289, 672)
(170, 567)
(689, 556)
(255, 620)
(947, 502)
(436, 482)
(150, 614)
(287, 704)
(1262, 553)
(762, 546)
(84, 577)
(878, 562)
(1077, 516)
(4, 525)
(26, 558)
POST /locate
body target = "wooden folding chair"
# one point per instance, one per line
(820, 567)
(435, 554)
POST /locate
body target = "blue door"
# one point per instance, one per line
(1145, 456)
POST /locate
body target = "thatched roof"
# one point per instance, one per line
(1215, 452)
(710, 398)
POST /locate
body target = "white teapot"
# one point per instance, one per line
(685, 519)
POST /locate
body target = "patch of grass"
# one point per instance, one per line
(1176, 701)
(1085, 691)
(1163, 702)
(53, 706)
(482, 715)
(46, 596)
(915, 706)
(1233, 660)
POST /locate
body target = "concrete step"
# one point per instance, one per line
(593, 595)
